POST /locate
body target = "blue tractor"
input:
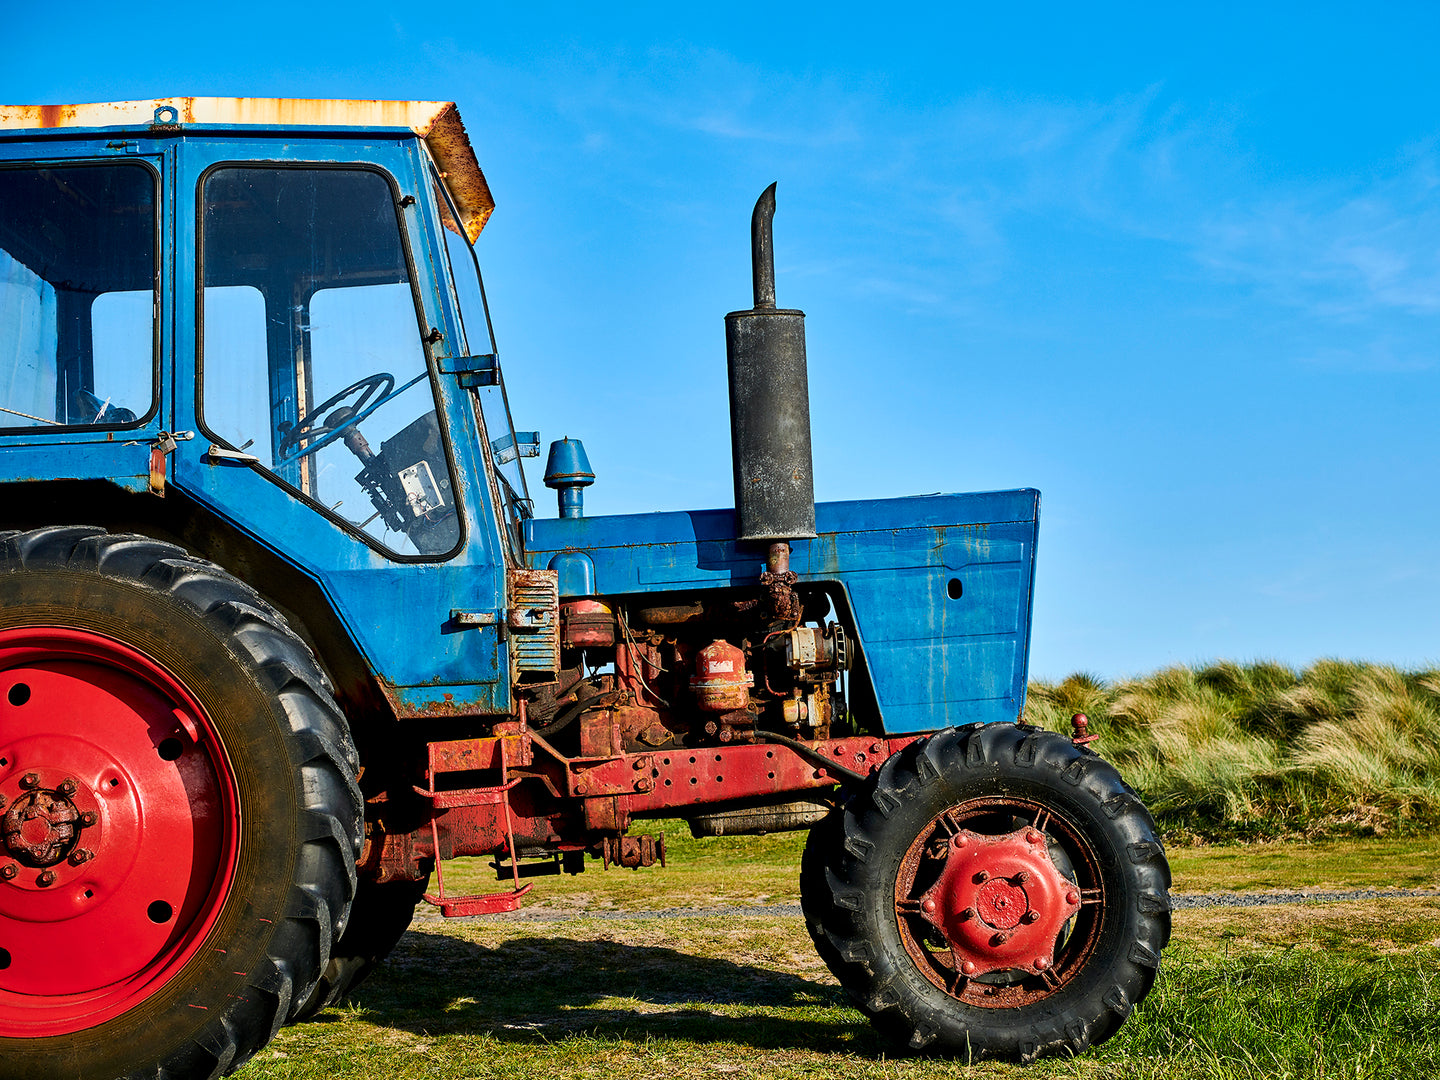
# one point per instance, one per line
(281, 633)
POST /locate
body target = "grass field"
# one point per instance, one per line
(1340, 990)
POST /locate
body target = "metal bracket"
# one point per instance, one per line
(509, 447)
(473, 371)
(473, 618)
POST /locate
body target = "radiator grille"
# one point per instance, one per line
(534, 625)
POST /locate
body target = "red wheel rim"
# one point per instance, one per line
(985, 912)
(118, 833)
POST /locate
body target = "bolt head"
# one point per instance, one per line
(999, 939)
(1032, 837)
(1022, 877)
(1030, 916)
(80, 856)
(1072, 898)
(967, 968)
(958, 840)
(46, 878)
(67, 787)
(1041, 963)
(29, 780)
(981, 876)
(88, 818)
(8, 871)
(928, 906)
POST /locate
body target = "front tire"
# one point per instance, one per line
(993, 891)
(182, 817)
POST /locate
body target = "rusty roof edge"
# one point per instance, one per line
(437, 122)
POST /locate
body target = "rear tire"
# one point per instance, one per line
(992, 891)
(379, 918)
(204, 820)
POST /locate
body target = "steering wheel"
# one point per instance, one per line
(312, 426)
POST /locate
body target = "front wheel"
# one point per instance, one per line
(993, 891)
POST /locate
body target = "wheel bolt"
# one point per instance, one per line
(1072, 897)
(1041, 963)
(959, 840)
(968, 913)
(967, 968)
(46, 878)
(927, 906)
(67, 787)
(1033, 837)
(1030, 917)
(998, 940)
(29, 780)
(8, 871)
(1022, 877)
(981, 877)
(80, 856)
(88, 818)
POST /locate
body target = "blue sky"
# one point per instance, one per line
(1177, 268)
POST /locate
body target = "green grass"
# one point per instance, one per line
(1344, 990)
(1256, 751)
(746, 997)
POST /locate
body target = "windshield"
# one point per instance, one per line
(506, 450)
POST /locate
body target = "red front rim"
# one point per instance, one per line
(118, 832)
(984, 910)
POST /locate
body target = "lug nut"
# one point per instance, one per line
(8, 871)
(998, 940)
(981, 877)
(80, 856)
(1041, 963)
(67, 787)
(928, 906)
(967, 968)
(958, 840)
(1072, 897)
(88, 818)
(46, 878)
(968, 913)
(29, 780)
(1022, 877)
(1030, 917)
(1033, 837)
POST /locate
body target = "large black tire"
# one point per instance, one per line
(189, 738)
(380, 916)
(867, 873)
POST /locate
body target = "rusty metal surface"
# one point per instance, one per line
(437, 122)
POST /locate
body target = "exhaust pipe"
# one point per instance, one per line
(769, 405)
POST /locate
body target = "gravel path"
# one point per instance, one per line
(1177, 901)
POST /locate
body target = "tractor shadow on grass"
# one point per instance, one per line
(541, 989)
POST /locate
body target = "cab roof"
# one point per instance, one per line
(437, 122)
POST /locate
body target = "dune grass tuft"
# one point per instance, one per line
(1260, 750)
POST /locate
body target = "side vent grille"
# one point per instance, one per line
(534, 625)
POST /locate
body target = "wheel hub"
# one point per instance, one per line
(42, 827)
(999, 902)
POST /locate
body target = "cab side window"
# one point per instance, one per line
(78, 288)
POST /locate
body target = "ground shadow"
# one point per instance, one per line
(539, 989)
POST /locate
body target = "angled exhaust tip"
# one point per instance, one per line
(769, 402)
(762, 249)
